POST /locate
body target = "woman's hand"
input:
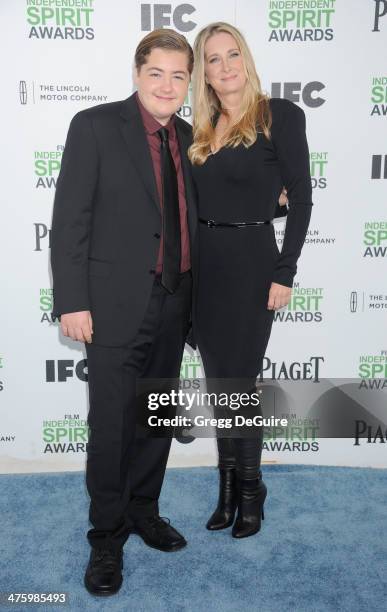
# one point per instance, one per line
(283, 199)
(279, 296)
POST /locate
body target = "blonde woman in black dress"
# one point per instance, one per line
(246, 147)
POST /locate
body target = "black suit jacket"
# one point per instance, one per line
(107, 220)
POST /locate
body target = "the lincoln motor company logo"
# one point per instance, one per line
(35, 93)
(23, 92)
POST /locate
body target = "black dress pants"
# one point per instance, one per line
(233, 323)
(124, 474)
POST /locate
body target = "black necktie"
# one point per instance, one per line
(170, 276)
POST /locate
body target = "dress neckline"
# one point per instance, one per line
(217, 151)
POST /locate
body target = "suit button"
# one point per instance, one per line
(156, 235)
(152, 271)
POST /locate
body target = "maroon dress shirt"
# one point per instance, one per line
(151, 126)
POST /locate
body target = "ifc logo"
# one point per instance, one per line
(62, 369)
(164, 17)
(296, 91)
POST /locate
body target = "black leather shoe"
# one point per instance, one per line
(251, 497)
(103, 574)
(227, 502)
(158, 533)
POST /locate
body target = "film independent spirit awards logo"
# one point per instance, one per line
(375, 239)
(60, 20)
(312, 20)
(67, 435)
(379, 96)
(301, 21)
(46, 167)
(304, 306)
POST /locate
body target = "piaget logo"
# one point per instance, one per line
(379, 96)
(64, 19)
(373, 366)
(375, 239)
(318, 169)
(69, 435)
(47, 166)
(374, 434)
(301, 20)
(42, 236)
(304, 306)
(296, 370)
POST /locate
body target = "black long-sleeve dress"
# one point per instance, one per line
(237, 266)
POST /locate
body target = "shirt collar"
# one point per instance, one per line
(150, 123)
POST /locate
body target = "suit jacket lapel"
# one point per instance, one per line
(133, 131)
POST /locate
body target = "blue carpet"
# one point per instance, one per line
(322, 546)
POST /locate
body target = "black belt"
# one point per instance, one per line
(211, 223)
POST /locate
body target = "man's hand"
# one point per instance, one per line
(279, 296)
(283, 199)
(77, 325)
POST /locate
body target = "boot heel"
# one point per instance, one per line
(252, 495)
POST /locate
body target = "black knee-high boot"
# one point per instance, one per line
(227, 501)
(252, 490)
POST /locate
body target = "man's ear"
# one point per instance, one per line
(135, 75)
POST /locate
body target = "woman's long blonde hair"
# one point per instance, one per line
(254, 113)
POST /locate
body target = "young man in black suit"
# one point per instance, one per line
(123, 227)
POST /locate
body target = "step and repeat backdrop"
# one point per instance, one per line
(328, 56)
